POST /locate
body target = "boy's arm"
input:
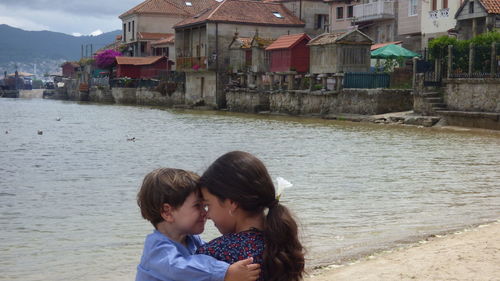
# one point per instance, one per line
(165, 262)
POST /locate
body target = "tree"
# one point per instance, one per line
(106, 59)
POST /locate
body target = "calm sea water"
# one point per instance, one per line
(67, 197)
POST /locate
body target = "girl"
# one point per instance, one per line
(238, 191)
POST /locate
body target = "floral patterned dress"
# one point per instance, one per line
(234, 247)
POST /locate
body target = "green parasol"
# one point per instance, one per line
(392, 51)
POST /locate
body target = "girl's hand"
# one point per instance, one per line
(243, 270)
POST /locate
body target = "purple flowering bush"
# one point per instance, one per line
(106, 59)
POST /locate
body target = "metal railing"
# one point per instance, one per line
(374, 10)
(133, 83)
(367, 80)
(99, 81)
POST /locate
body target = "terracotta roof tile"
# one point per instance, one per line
(72, 63)
(170, 7)
(492, 6)
(380, 45)
(153, 36)
(246, 12)
(167, 40)
(287, 41)
(137, 60)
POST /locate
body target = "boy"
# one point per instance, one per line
(171, 201)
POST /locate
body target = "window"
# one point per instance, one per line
(133, 30)
(434, 5)
(350, 11)
(412, 8)
(321, 21)
(128, 26)
(445, 4)
(471, 7)
(278, 15)
(340, 12)
(124, 32)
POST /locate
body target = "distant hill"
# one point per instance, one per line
(23, 47)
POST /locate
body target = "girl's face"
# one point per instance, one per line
(219, 212)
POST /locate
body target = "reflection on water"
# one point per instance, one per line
(67, 197)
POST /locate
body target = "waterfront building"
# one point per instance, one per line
(421, 21)
(202, 42)
(69, 69)
(477, 16)
(314, 13)
(437, 19)
(341, 15)
(375, 18)
(153, 20)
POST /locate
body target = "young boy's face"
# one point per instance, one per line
(190, 217)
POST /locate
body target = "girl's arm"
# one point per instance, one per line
(164, 262)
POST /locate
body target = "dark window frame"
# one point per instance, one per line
(350, 11)
(340, 13)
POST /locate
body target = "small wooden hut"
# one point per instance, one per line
(289, 53)
(240, 53)
(340, 52)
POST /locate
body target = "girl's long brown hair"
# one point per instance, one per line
(243, 178)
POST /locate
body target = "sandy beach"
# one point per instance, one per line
(471, 254)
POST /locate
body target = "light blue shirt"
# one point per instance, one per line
(166, 260)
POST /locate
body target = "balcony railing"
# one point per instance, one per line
(191, 63)
(382, 9)
(437, 14)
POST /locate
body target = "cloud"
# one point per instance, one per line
(92, 8)
(22, 23)
(56, 20)
(96, 32)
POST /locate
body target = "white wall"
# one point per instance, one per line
(433, 27)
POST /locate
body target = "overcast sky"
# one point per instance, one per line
(75, 17)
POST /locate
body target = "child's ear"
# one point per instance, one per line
(232, 205)
(166, 213)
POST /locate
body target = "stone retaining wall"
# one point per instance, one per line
(124, 95)
(101, 94)
(144, 96)
(245, 100)
(353, 101)
(473, 94)
(150, 97)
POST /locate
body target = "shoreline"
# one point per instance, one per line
(472, 253)
(403, 119)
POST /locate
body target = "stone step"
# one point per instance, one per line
(439, 109)
(434, 100)
(435, 105)
(431, 94)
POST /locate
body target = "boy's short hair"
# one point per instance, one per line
(165, 186)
